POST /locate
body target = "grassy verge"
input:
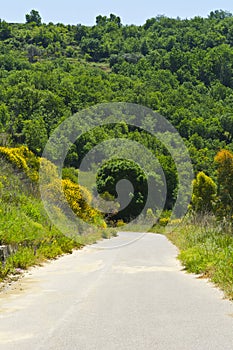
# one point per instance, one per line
(25, 228)
(206, 249)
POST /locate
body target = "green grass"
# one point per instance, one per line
(206, 249)
(26, 228)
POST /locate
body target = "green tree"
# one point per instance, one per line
(34, 17)
(224, 161)
(5, 30)
(219, 14)
(4, 117)
(227, 125)
(35, 134)
(204, 194)
(116, 170)
(80, 32)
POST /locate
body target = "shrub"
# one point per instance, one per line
(204, 194)
(163, 221)
(22, 159)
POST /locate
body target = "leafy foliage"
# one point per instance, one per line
(204, 194)
(116, 170)
(224, 160)
(33, 17)
(179, 68)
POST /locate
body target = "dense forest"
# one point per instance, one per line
(180, 68)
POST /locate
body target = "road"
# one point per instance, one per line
(134, 297)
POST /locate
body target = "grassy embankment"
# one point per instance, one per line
(206, 248)
(24, 225)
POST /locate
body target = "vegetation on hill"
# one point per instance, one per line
(179, 68)
(182, 69)
(26, 231)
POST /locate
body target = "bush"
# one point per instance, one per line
(22, 159)
(120, 223)
(163, 221)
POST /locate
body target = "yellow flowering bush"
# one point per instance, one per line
(22, 159)
(79, 200)
(120, 223)
(60, 192)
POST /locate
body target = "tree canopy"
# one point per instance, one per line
(180, 68)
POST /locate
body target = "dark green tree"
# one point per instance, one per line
(34, 17)
(115, 170)
(5, 30)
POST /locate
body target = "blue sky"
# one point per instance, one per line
(130, 11)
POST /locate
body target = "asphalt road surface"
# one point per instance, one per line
(115, 296)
